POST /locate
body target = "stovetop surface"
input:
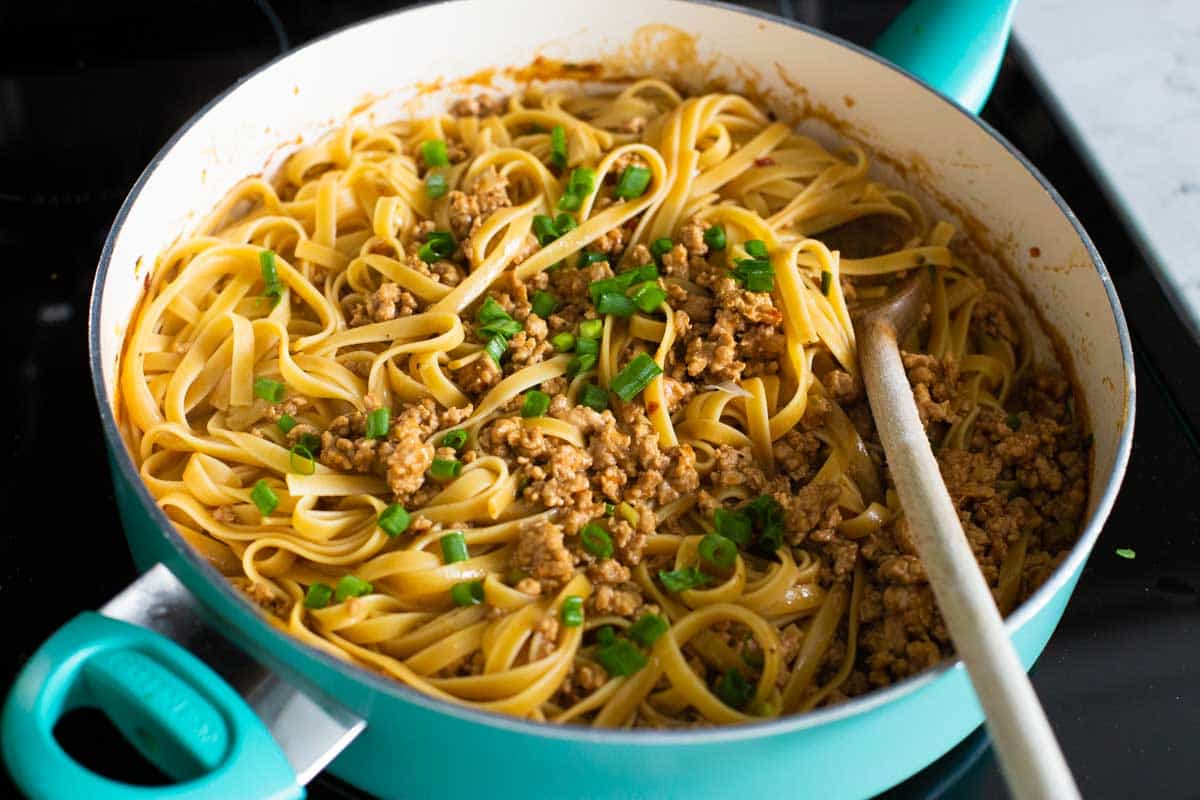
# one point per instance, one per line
(88, 94)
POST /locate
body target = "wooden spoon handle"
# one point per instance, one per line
(1030, 757)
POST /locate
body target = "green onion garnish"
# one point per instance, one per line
(454, 547)
(596, 540)
(767, 516)
(439, 244)
(445, 468)
(756, 274)
(435, 185)
(467, 594)
(580, 363)
(495, 348)
(544, 229)
(593, 397)
(301, 460)
(1013, 422)
(632, 183)
(648, 297)
(558, 146)
(647, 629)
(563, 342)
(570, 202)
(318, 595)
(571, 612)
(536, 404)
(591, 328)
(608, 509)
(311, 441)
(589, 257)
(378, 423)
(394, 520)
(544, 304)
(620, 657)
(716, 549)
(269, 390)
(756, 248)
(1126, 552)
(286, 422)
(733, 525)
(351, 586)
(435, 154)
(733, 689)
(622, 281)
(583, 180)
(714, 237)
(270, 275)
(264, 497)
(606, 635)
(490, 311)
(616, 304)
(501, 327)
(826, 282)
(564, 224)
(454, 439)
(680, 580)
(587, 347)
(661, 247)
(635, 377)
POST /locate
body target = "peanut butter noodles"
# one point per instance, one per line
(550, 407)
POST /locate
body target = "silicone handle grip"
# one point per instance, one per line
(178, 713)
(954, 45)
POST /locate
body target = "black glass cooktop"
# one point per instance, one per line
(88, 94)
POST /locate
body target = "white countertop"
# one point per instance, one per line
(1127, 77)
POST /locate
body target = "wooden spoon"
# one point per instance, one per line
(1030, 757)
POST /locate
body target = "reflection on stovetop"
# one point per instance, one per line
(89, 92)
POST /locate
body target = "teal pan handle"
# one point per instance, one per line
(175, 710)
(954, 45)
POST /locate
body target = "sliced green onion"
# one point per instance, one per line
(767, 516)
(593, 397)
(286, 422)
(318, 595)
(756, 274)
(495, 348)
(435, 185)
(1126, 552)
(454, 547)
(661, 247)
(635, 377)
(589, 257)
(301, 460)
(587, 347)
(501, 327)
(544, 304)
(826, 282)
(378, 423)
(563, 342)
(536, 404)
(714, 237)
(467, 594)
(269, 390)
(756, 248)
(596, 540)
(570, 202)
(622, 281)
(351, 586)
(716, 549)
(1013, 422)
(616, 304)
(647, 629)
(608, 509)
(558, 146)
(648, 297)
(394, 520)
(311, 441)
(680, 580)
(571, 612)
(733, 689)
(582, 181)
(438, 244)
(445, 468)
(454, 439)
(733, 525)
(564, 224)
(490, 311)
(435, 154)
(606, 635)
(580, 363)
(620, 657)
(591, 328)
(632, 183)
(264, 497)
(544, 229)
(273, 287)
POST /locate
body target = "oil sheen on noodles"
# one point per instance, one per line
(339, 217)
